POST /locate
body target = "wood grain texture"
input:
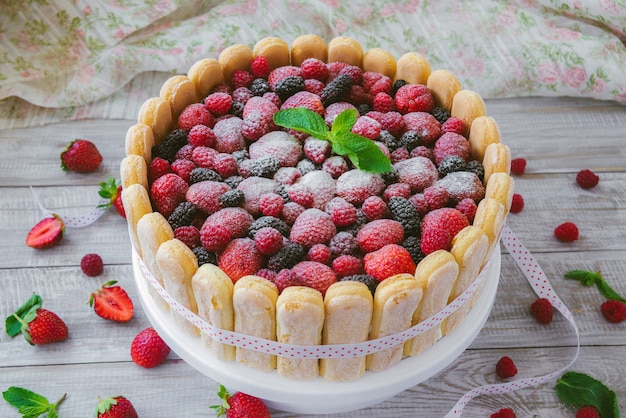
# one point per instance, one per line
(557, 136)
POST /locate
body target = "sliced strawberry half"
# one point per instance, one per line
(47, 233)
(112, 303)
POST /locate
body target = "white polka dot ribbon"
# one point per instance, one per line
(311, 351)
(541, 286)
(74, 221)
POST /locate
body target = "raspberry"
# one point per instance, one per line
(453, 124)
(347, 265)
(427, 127)
(203, 156)
(504, 413)
(240, 258)
(316, 275)
(392, 122)
(542, 310)
(259, 67)
(343, 243)
(370, 78)
(266, 274)
(389, 260)
(439, 227)
(355, 73)
(218, 103)
(291, 211)
(437, 197)
(383, 102)
(418, 200)
(253, 188)
(281, 72)
(397, 190)
(268, 240)
(242, 95)
(301, 194)
(376, 234)
(355, 186)
(286, 278)
(451, 144)
(189, 235)
(273, 97)
(320, 253)
(566, 232)
(225, 165)
(374, 208)
(312, 68)
(399, 154)
(505, 367)
(314, 86)
(312, 227)
(222, 88)
(287, 257)
(195, 114)
(255, 125)
(214, 237)
(367, 127)
(614, 311)
(468, 208)
(588, 411)
(316, 150)
(461, 185)
(91, 265)
(206, 195)
(334, 68)
(422, 151)
(517, 203)
(335, 166)
(518, 166)
(183, 168)
(366, 279)
(587, 179)
(185, 152)
(334, 109)
(158, 167)
(383, 85)
(341, 212)
(241, 78)
(183, 215)
(418, 172)
(360, 98)
(414, 98)
(304, 99)
(271, 204)
(167, 192)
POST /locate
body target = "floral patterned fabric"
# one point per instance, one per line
(62, 60)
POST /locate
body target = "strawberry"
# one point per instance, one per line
(47, 233)
(37, 325)
(378, 233)
(387, 261)
(80, 155)
(117, 407)
(240, 405)
(148, 349)
(505, 367)
(112, 303)
(112, 190)
(315, 275)
(439, 227)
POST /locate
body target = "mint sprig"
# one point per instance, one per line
(579, 389)
(31, 404)
(589, 278)
(362, 152)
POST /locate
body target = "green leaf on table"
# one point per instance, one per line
(29, 403)
(579, 389)
(589, 278)
(26, 313)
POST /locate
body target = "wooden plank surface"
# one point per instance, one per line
(557, 137)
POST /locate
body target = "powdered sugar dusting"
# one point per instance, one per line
(322, 185)
(417, 172)
(278, 144)
(229, 136)
(461, 185)
(252, 188)
(355, 186)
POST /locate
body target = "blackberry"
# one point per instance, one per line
(270, 221)
(241, 155)
(265, 166)
(289, 86)
(283, 191)
(199, 174)
(232, 198)
(477, 168)
(366, 279)
(170, 145)
(344, 243)
(361, 219)
(287, 257)
(183, 215)
(260, 86)
(396, 85)
(451, 164)
(233, 181)
(336, 90)
(364, 108)
(410, 140)
(204, 256)
(237, 109)
(390, 177)
(414, 246)
(404, 212)
(306, 166)
(389, 140)
(440, 114)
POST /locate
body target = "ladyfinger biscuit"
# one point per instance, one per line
(469, 248)
(497, 160)
(467, 105)
(180, 92)
(205, 74)
(443, 85)
(136, 203)
(490, 217)
(413, 68)
(157, 114)
(501, 187)
(299, 321)
(395, 301)
(380, 61)
(483, 132)
(134, 170)
(436, 274)
(348, 314)
(213, 290)
(178, 264)
(275, 51)
(139, 141)
(308, 46)
(346, 50)
(235, 57)
(254, 302)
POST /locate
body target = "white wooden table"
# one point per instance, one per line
(558, 137)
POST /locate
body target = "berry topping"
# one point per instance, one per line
(259, 67)
(341, 212)
(91, 265)
(614, 311)
(566, 232)
(240, 258)
(268, 240)
(218, 103)
(376, 234)
(506, 368)
(320, 253)
(347, 265)
(439, 227)
(405, 213)
(389, 260)
(316, 275)
(366, 279)
(542, 310)
(355, 186)
(195, 114)
(312, 227)
(414, 98)
(587, 179)
(336, 90)
(451, 144)
(205, 195)
(287, 257)
(418, 172)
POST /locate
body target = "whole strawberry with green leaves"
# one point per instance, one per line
(115, 407)
(38, 326)
(112, 190)
(81, 156)
(240, 405)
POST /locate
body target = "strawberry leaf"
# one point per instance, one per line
(579, 389)
(26, 313)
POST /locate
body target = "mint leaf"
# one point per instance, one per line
(365, 155)
(304, 120)
(25, 312)
(579, 389)
(588, 278)
(29, 403)
(608, 292)
(344, 121)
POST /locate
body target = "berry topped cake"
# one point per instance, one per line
(315, 194)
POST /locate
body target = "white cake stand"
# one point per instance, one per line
(319, 396)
